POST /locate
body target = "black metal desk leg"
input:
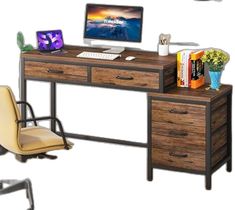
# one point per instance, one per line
(229, 118)
(149, 145)
(208, 182)
(208, 147)
(149, 173)
(53, 105)
(149, 163)
(229, 165)
(23, 92)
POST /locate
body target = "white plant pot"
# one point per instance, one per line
(163, 50)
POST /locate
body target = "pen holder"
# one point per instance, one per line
(163, 50)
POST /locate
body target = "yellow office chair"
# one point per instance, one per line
(29, 142)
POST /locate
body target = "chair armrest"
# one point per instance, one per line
(49, 118)
(30, 109)
(15, 185)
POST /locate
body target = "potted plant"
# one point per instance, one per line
(21, 44)
(216, 60)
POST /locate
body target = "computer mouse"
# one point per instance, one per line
(129, 58)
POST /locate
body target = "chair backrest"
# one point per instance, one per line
(9, 113)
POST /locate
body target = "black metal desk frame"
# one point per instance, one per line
(53, 110)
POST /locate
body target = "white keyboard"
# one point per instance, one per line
(97, 55)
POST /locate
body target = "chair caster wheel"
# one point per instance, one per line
(3, 151)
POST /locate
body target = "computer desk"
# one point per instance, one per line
(188, 130)
(148, 72)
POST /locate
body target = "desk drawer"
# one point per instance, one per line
(179, 147)
(192, 115)
(178, 135)
(128, 78)
(55, 71)
(170, 134)
(178, 157)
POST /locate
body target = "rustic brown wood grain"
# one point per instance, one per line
(178, 129)
(194, 160)
(170, 77)
(120, 77)
(219, 139)
(181, 128)
(219, 155)
(144, 59)
(65, 72)
(169, 80)
(178, 113)
(218, 103)
(219, 117)
(219, 130)
(199, 94)
(175, 135)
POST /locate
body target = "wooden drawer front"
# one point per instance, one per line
(191, 115)
(55, 71)
(170, 134)
(182, 158)
(178, 135)
(125, 78)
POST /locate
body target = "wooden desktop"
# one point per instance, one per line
(188, 130)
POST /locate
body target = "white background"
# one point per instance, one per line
(105, 176)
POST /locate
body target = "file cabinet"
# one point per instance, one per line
(190, 131)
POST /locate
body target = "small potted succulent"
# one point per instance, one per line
(21, 44)
(216, 60)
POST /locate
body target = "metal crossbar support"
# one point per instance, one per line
(16, 185)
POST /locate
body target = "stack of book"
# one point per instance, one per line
(190, 69)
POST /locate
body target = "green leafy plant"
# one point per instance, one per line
(21, 43)
(215, 59)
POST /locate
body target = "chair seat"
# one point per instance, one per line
(37, 139)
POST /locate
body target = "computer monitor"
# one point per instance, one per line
(114, 23)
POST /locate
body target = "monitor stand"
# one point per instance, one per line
(115, 50)
(108, 48)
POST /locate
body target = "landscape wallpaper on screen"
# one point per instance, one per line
(113, 23)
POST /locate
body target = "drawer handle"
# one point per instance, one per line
(124, 77)
(178, 155)
(53, 71)
(175, 111)
(178, 133)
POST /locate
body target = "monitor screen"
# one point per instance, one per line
(50, 40)
(117, 23)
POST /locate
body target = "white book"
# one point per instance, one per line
(186, 67)
(182, 69)
(184, 72)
